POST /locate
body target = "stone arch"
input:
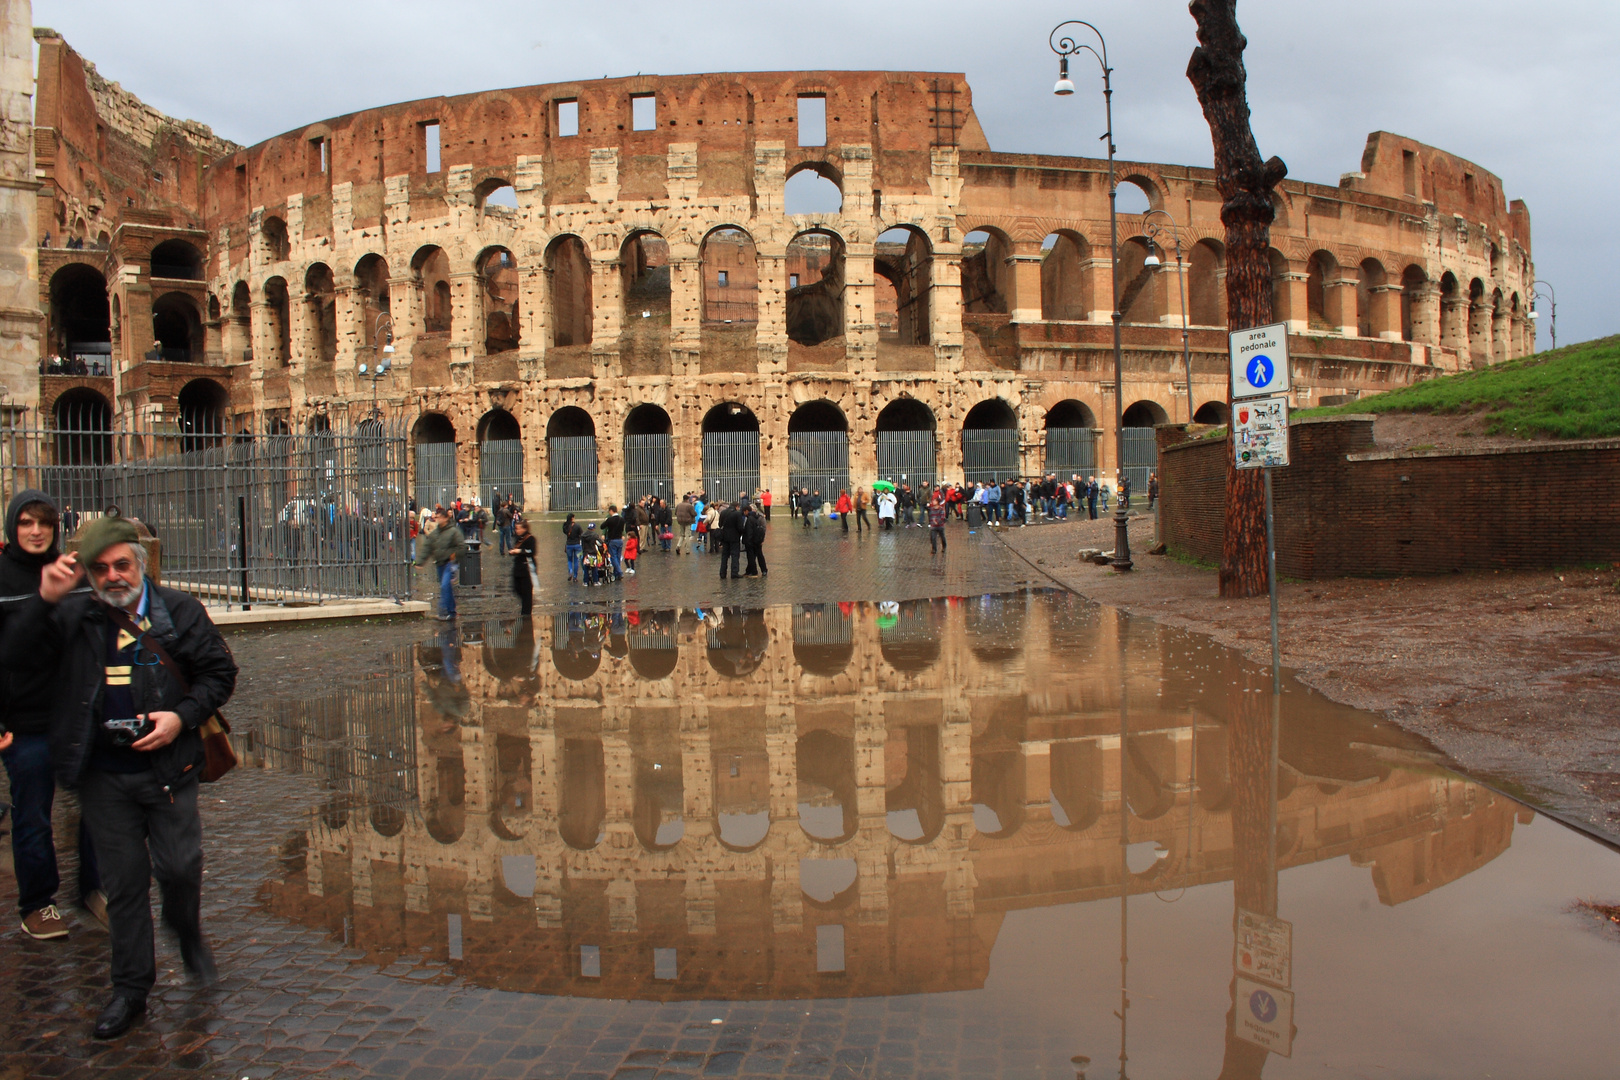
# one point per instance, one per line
(433, 437)
(730, 277)
(812, 187)
(826, 798)
(644, 323)
(320, 299)
(1212, 412)
(730, 450)
(818, 448)
(985, 273)
(177, 260)
(815, 305)
(1453, 313)
(649, 453)
(903, 262)
(568, 269)
(571, 459)
(990, 442)
(203, 405)
(80, 318)
(1282, 295)
(500, 457)
(1066, 279)
(431, 267)
(1071, 440)
(372, 299)
(278, 309)
(1206, 284)
(582, 809)
(907, 443)
(177, 327)
(277, 246)
(1370, 300)
(239, 328)
(498, 284)
(1141, 443)
(496, 197)
(1149, 191)
(1414, 300)
(84, 447)
(1145, 414)
(1321, 276)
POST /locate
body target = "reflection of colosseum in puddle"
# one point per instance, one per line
(815, 801)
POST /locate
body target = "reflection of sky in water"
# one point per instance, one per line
(823, 879)
(906, 824)
(1060, 815)
(746, 830)
(670, 831)
(822, 822)
(985, 819)
(518, 873)
(1140, 857)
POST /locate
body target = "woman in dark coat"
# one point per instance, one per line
(523, 568)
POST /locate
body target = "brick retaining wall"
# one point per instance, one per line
(1345, 509)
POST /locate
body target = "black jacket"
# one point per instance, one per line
(731, 525)
(754, 531)
(70, 638)
(25, 688)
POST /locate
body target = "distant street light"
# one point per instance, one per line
(384, 362)
(1066, 47)
(1552, 303)
(1154, 230)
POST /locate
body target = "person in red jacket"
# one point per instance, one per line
(765, 502)
(843, 506)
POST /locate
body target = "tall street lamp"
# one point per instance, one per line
(384, 362)
(1153, 230)
(1552, 303)
(1065, 47)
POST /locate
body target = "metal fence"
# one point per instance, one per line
(906, 457)
(500, 470)
(989, 454)
(1141, 458)
(435, 474)
(1071, 452)
(573, 472)
(649, 467)
(278, 519)
(730, 463)
(819, 460)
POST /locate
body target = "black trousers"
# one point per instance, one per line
(756, 559)
(767, 509)
(140, 834)
(861, 520)
(936, 534)
(729, 556)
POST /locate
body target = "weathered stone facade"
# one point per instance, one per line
(624, 246)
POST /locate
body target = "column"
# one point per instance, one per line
(860, 307)
(1384, 311)
(1024, 279)
(1339, 305)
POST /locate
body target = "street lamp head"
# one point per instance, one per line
(1534, 314)
(385, 363)
(1152, 257)
(1065, 85)
(362, 369)
(388, 350)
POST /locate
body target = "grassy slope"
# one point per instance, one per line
(1570, 393)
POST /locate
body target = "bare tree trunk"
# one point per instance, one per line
(1246, 183)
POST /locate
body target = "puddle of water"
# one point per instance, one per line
(973, 798)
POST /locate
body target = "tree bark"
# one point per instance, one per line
(1246, 183)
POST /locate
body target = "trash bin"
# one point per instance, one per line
(975, 515)
(472, 565)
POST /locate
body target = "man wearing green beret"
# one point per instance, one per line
(124, 734)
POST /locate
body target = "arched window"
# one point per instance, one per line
(177, 328)
(203, 406)
(1065, 277)
(815, 295)
(277, 247)
(730, 278)
(985, 272)
(432, 268)
(568, 265)
(812, 188)
(278, 309)
(371, 297)
(498, 274)
(1206, 284)
(177, 260)
(903, 261)
(81, 321)
(320, 297)
(644, 271)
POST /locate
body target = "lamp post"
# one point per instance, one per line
(1154, 230)
(383, 363)
(1065, 47)
(1552, 302)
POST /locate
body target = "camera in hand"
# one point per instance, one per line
(127, 732)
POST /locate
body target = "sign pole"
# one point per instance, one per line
(1271, 581)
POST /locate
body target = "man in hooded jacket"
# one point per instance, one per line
(31, 544)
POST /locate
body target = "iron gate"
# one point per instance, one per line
(906, 457)
(1141, 458)
(819, 460)
(989, 454)
(435, 474)
(573, 472)
(730, 463)
(649, 467)
(276, 519)
(1071, 451)
(500, 470)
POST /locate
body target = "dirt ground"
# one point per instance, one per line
(1516, 677)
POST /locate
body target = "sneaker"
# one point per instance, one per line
(46, 924)
(95, 902)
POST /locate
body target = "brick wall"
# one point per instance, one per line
(1345, 509)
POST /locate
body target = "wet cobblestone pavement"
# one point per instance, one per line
(506, 849)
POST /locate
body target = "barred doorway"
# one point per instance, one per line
(84, 448)
(435, 439)
(571, 442)
(730, 451)
(990, 443)
(1141, 443)
(906, 451)
(500, 458)
(818, 449)
(649, 455)
(1071, 441)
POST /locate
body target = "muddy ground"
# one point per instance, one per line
(1515, 676)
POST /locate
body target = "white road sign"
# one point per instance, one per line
(1265, 1016)
(1259, 360)
(1260, 433)
(1263, 948)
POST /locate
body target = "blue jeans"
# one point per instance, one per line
(573, 552)
(447, 588)
(616, 556)
(33, 845)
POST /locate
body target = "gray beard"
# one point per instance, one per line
(127, 600)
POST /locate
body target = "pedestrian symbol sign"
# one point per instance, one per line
(1259, 360)
(1264, 1016)
(1263, 1006)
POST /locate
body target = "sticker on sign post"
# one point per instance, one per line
(1260, 433)
(1264, 1016)
(1259, 360)
(1263, 948)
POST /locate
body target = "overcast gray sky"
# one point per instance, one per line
(1525, 90)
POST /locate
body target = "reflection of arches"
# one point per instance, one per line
(995, 626)
(514, 788)
(1065, 276)
(657, 812)
(1150, 769)
(654, 664)
(903, 263)
(387, 820)
(826, 786)
(985, 272)
(177, 260)
(177, 327)
(1071, 440)
(730, 277)
(990, 442)
(907, 636)
(568, 266)
(815, 295)
(823, 639)
(914, 809)
(998, 792)
(500, 457)
(737, 646)
(1211, 412)
(1077, 780)
(583, 797)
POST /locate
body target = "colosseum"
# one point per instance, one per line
(595, 290)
